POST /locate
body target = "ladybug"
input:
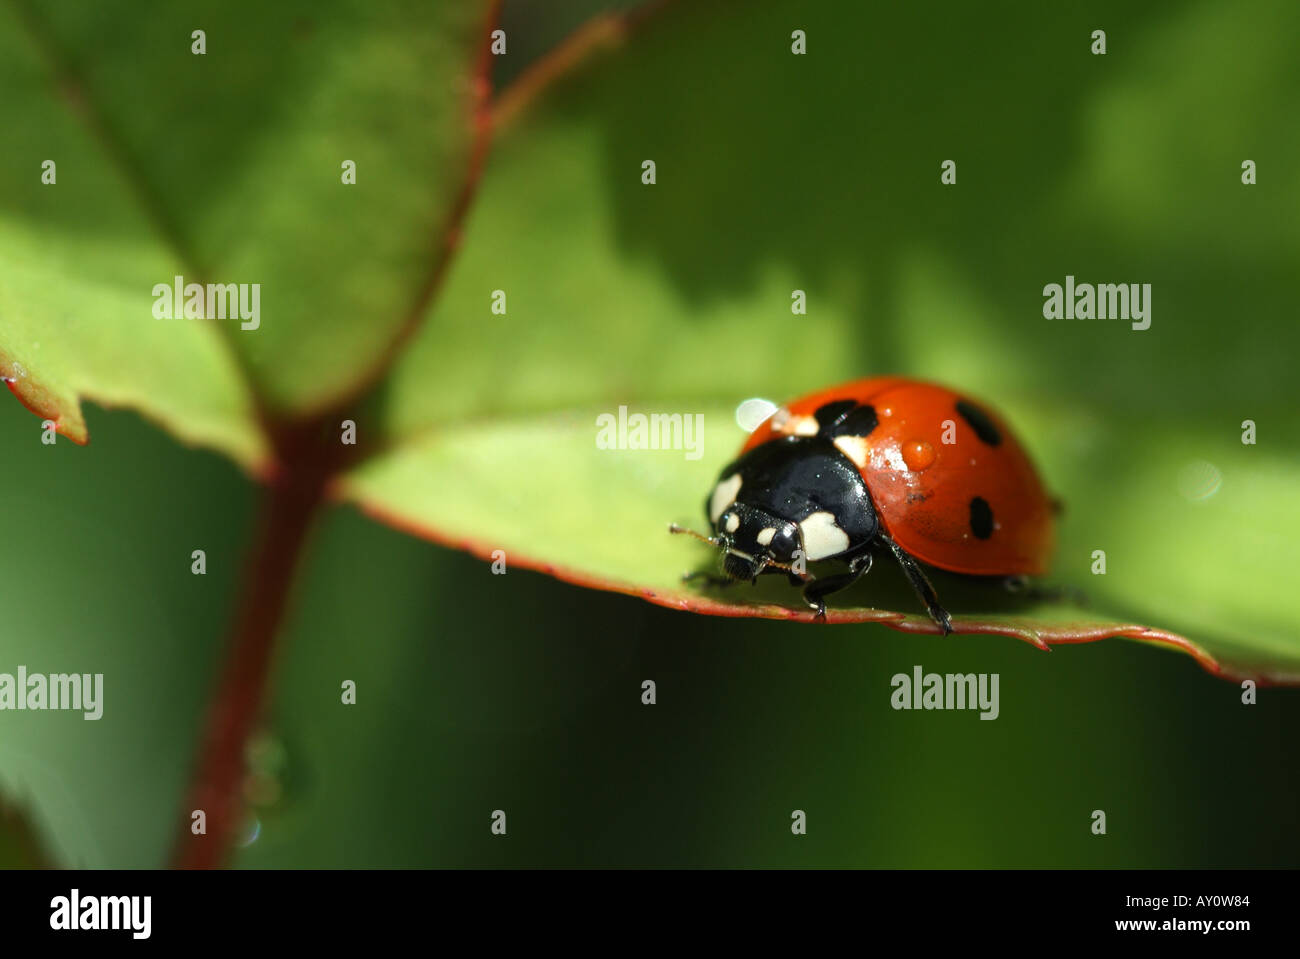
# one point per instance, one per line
(914, 469)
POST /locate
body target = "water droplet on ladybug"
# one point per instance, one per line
(918, 455)
(751, 413)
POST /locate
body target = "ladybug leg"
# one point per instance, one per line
(815, 591)
(921, 583)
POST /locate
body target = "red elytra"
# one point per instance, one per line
(933, 451)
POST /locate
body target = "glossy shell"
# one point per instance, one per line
(950, 482)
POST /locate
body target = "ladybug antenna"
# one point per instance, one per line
(711, 540)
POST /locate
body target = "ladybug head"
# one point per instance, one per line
(795, 499)
(754, 541)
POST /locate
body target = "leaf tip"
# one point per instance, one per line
(42, 401)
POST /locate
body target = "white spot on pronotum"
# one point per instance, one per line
(765, 536)
(751, 413)
(821, 537)
(1199, 480)
(855, 448)
(733, 523)
(802, 426)
(724, 494)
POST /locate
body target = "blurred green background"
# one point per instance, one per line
(478, 692)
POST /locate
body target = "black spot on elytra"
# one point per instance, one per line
(981, 518)
(979, 421)
(845, 418)
(829, 414)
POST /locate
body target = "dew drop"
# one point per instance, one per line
(268, 777)
(918, 455)
(252, 832)
(751, 413)
(1199, 480)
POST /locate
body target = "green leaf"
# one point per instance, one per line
(549, 499)
(821, 173)
(226, 167)
(775, 173)
(78, 260)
